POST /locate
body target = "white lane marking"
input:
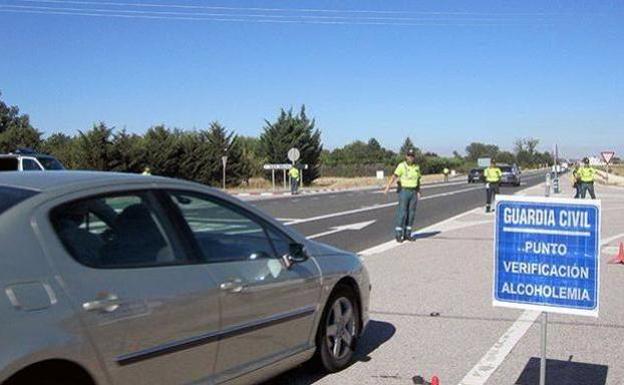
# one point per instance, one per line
(545, 231)
(287, 219)
(337, 229)
(392, 244)
(377, 206)
(497, 353)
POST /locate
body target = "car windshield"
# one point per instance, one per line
(506, 169)
(10, 196)
(50, 163)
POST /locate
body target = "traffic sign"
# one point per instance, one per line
(484, 162)
(293, 154)
(547, 254)
(283, 166)
(607, 156)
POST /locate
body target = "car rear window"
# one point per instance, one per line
(10, 196)
(8, 164)
(506, 169)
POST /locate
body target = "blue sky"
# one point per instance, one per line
(443, 72)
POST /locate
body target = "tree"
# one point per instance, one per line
(15, 129)
(62, 147)
(163, 151)
(252, 160)
(93, 148)
(477, 150)
(127, 153)
(222, 143)
(293, 130)
(505, 157)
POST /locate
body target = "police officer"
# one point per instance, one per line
(586, 175)
(493, 177)
(408, 175)
(147, 171)
(446, 173)
(575, 181)
(295, 175)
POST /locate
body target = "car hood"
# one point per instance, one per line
(318, 249)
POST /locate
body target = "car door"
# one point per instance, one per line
(267, 307)
(148, 304)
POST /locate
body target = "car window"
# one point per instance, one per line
(30, 165)
(223, 233)
(50, 163)
(124, 230)
(8, 164)
(10, 196)
(506, 169)
(281, 242)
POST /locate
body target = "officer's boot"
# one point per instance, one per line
(408, 234)
(487, 208)
(399, 236)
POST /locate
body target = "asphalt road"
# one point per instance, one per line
(314, 215)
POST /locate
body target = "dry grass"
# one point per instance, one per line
(617, 169)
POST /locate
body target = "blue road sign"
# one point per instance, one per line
(547, 254)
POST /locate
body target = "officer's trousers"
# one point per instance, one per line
(490, 193)
(406, 212)
(585, 187)
(577, 190)
(294, 185)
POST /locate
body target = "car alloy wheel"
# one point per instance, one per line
(339, 330)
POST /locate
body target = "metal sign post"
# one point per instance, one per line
(547, 258)
(607, 156)
(224, 161)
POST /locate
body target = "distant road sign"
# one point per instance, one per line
(607, 156)
(484, 162)
(283, 166)
(293, 154)
(547, 254)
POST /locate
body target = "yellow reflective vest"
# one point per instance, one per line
(294, 173)
(586, 174)
(409, 175)
(493, 174)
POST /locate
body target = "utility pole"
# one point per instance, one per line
(224, 159)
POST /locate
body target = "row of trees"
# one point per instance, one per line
(193, 155)
(196, 155)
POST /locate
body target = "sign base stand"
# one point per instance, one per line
(544, 328)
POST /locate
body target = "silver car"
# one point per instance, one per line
(126, 279)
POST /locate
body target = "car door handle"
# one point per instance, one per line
(107, 304)
(233, 286)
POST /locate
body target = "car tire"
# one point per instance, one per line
(337, 337)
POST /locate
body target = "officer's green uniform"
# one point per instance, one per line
(586, 175)
(575, 183)
(409, 179)
(493, 177)
(294, 179)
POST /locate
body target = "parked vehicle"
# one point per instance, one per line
(28, 160)
(476, 175)
(127, 279)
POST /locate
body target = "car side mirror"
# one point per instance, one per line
(296, 254)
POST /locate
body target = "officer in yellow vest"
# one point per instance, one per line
(493, 176)
(575, 182)
(408, 175)
(295, 176)
(586, 175)
(446, 173)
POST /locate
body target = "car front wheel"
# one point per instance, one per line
(338, 330)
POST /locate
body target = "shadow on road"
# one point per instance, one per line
(428, 234)
(563, 373)
(376, 334)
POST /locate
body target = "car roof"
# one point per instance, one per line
(49, 180)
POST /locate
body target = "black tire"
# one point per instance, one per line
(325, 356)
